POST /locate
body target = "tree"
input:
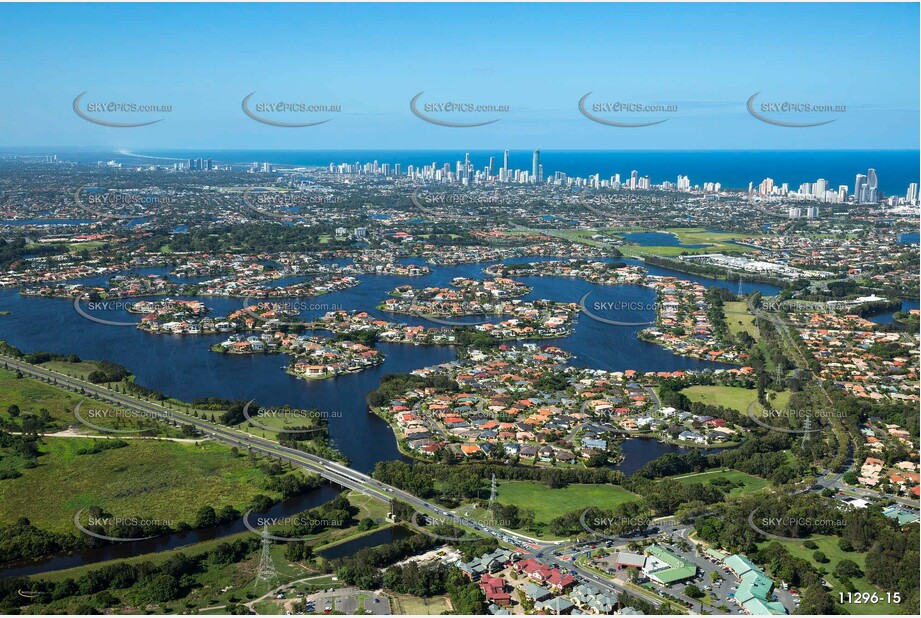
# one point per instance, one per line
(206, 517)
(596, 460)
(693, 591)
(160, 589)
(819, 557)
(816, 601)
(847, 568)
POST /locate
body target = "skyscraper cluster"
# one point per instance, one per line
(199, 165)
(865, 188)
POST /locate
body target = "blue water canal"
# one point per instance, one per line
(182, 366)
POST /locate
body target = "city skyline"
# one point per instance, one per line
(465, 172)
(484, 308)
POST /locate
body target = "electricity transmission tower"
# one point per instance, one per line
(807, 428)
(266, 572)
(492, 494)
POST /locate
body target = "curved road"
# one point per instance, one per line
(333, 471)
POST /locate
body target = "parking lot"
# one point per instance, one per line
(349, 601)
(719, 591)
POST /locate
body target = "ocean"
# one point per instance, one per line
(734, 169)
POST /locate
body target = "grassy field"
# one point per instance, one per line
(829, 546)
(404, 604)
(168, 481)
(749, 483)
(32, 395)
(716, 242)
(259, 426)
(696, 236)
(268, 608)
(78, 370)
(734, 397)
(583, 237)
(550, 503)
(83, 246)
(739, 319)
(287, 570)
(231, 583)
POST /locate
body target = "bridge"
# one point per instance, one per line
(333, 471)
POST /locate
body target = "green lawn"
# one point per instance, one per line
(32, 395)
(739, 319)
(84, 246)
(80, 370)
(734, 397)
(749, 483)
(583, 237)
(829, 546)
(407, 605)
(268, 608)
(258, 426)
(697, 235)
(550, 503)
(168, 481)
(717, 242)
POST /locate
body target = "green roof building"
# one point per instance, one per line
(740, 565)
(903, 516)
(758, 607)
(755, 588)
(669, 568)
(754, 585)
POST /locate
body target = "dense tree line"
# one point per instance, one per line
(254, 238)
(23, 540)
(715, 298)
(429, 580)
(469, 338)
(394, 385)
(467, 481)
(337, 513)
(891, 554)
(137, 584)
(12, 251)
(761, 456)
(623, 519)
(363, 568)
(713, 272)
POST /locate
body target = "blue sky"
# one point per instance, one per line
(371, 59)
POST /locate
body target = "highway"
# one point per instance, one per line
(331, 470)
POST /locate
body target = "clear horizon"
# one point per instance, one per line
(539, 60)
